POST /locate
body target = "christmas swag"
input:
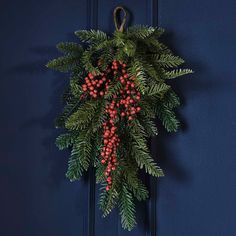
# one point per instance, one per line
(118, 86)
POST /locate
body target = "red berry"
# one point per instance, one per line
(132, 112)
(90, 75)
(105, 141)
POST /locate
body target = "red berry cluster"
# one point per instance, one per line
(109, 150)
(125, 104)
(130, 97)
(96, 85)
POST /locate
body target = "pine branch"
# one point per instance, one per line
(140, 32)
(75, 88)
(75, 169)
(147, 108)
(80, 156)
(159, 88)
(171, 99)
(134, 183)
(127, 208)
(87, 60)
(69, 109)
(83, 116)
(144, 160)
(70, 48)
(168, 118)
(63, 64)
(137, 71)
(100, 169)
(113, 90)
(148, 124)
(168, 60)
(178, 72)
(140, 152)
(129, 48)
(157, 47)
(108, 200)
(91, 36)
(64, 141)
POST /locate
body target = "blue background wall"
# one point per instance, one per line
(197, 196)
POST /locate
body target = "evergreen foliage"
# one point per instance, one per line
(152, 64)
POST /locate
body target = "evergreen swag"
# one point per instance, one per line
(118, 85)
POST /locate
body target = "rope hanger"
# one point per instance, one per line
(116, 12)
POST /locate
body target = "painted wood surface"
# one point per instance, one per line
(197, 195)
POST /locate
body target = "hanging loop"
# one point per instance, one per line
(116, 11)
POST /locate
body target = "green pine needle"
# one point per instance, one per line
(127, 208)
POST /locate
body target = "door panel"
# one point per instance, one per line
(36, 199)
(197, 196)
(141, 12)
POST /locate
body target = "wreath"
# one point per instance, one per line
(118, 85)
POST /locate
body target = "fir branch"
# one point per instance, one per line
(113, 90)
(63, 64)
(64, 141)
(168, 118)
(168, 60)
(138, 73)
(87, 60)
(70, 48)
(140, 32)
(75, 169)
(147, 108)
(91, 36)
(176, 73)
(127, 208)
(170, 99)
(148, 124)
(69, 109)
(80, 156)
(75, 88)
(129, 48)
(159, 88)
(134, 183)
(108, 200)
(100, 172)
(83, 116)
(144, 160)
(140, 152)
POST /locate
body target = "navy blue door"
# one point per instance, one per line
(197, 196)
